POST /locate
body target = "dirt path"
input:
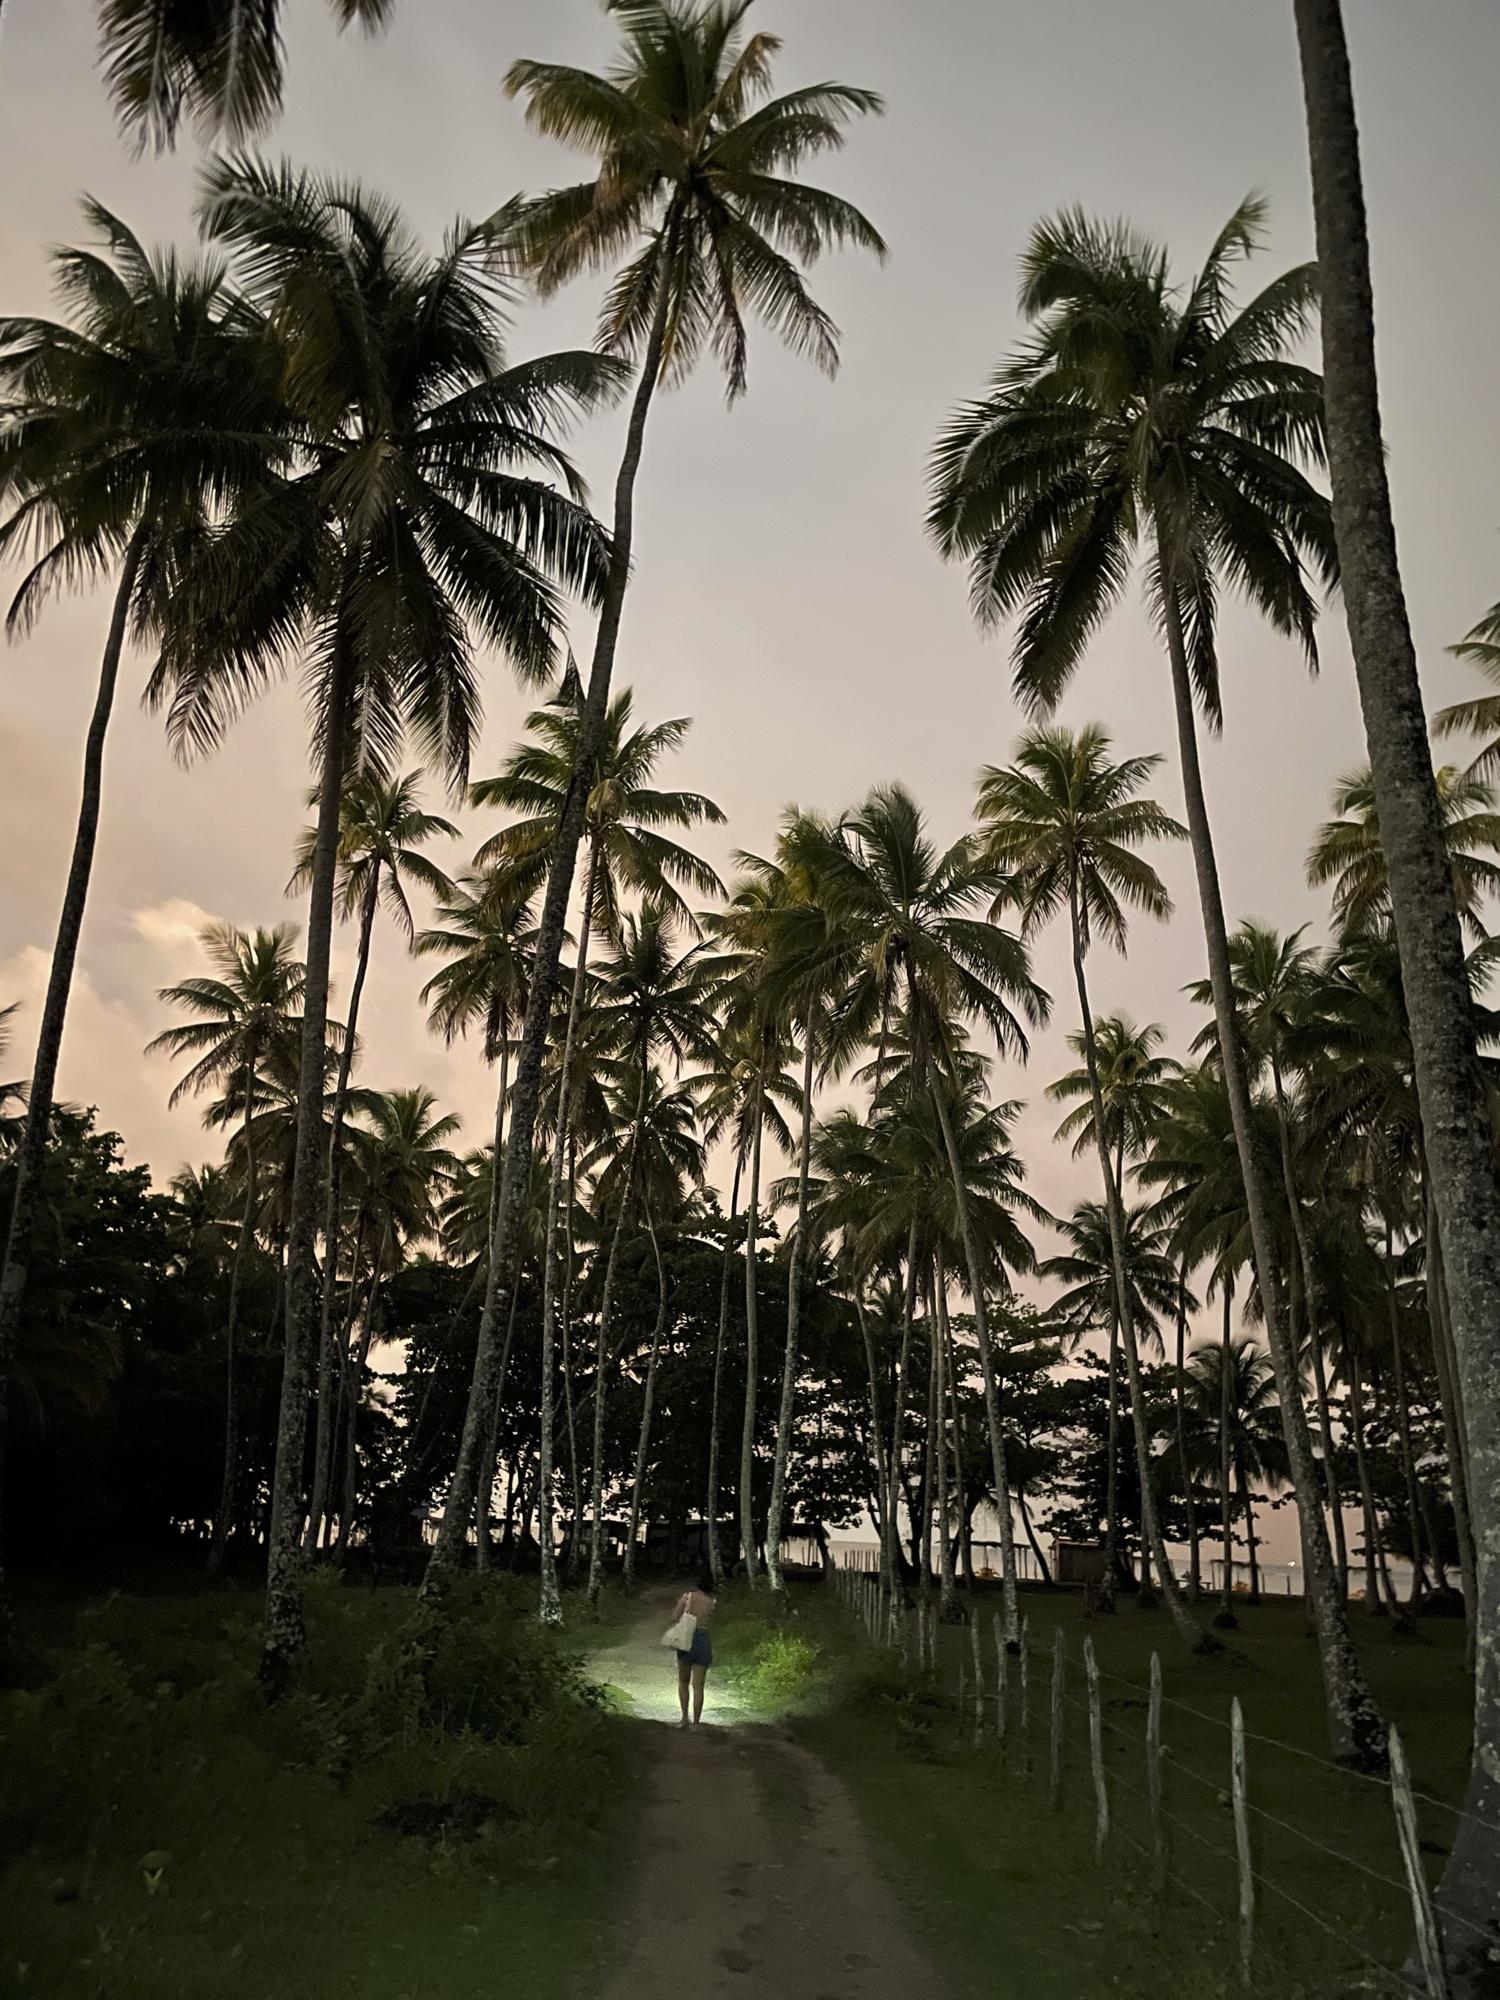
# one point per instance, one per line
(754, 1877)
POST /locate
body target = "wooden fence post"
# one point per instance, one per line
(1240, 1795)
(1054, 1756)
(1096, 1750)
(1429, 1942)
(978, 1659)
(1153, 1781)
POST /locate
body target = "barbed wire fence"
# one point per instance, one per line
(1200, 1821)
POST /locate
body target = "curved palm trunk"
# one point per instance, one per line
(987, 1365)
(224, 1519)
(715, 1559)
(648, 1399)
(450, 1540)
(601, 1362)
(285, 1633)
(752, 1342)
(1355, 1730)
(1455, 1120)
(1184, 1469)
(1154, 1548)
(32, 1151)
(322, 1447)
(793, 1331)
(549, 1608)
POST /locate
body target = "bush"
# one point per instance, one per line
(784, 1672)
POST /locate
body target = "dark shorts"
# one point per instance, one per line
(700, 1653)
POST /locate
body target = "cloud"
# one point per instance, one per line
(173, 924)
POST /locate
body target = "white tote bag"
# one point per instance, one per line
(678, 1637)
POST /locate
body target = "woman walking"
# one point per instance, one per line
(694, 1662)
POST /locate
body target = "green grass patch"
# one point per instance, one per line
(1008, 1889)
(433, 1810)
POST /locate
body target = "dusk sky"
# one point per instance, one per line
(786, 598)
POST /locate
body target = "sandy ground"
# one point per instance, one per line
(754, 1877)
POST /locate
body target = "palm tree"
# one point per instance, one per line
(382, 829)
(1133, 1078)
(1481, 716)
(739, 1095)
(915, 912)
(404, 1166)
(1236, 1377)
(654, 1003)
(1143, 413)
(623, 818)
(415, 522)
(1348, 851)
(693, 191)
(1068, 821)
(1460, 1154)
(220, 61)
(12, 1095)
(128, 426)
(248, 1018)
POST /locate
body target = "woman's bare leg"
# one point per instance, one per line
(684, 1674)
(698, 1675)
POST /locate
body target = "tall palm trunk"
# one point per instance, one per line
(549, 1608)
(285, 1633)
(1455, 1119)
(752, 1337)
(485, 1492)
(32, 1151)
(1309, 1316)
(1403, 1423)
(930, 1449)
(715, 1559)
(357, 1361)
(1009, 1595)
(1356, 1732)
(1453, 1427)
(601, 1362)
(322, 1445)
(901, 1397)
(793, 1329)
(937, 1317)
(1226, 1619)
(224, 1519)
(450, 1539)
(648, 1399)
(1184, 1470)
(1154, 1547)
(575, 1529)
(1375, 1593)
(884, 1525)
(961, 1506)
(1111, 1576)
(1252, 1546)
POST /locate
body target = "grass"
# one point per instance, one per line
(448, 1822)
(1001, 1880)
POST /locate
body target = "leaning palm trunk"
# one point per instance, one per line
(32, 1151)
(1455, 1119)
(936, 1323)
(715, 1559)
(752, 1341)
(884, 1519)
(357, 1362)
(322, 1450)
(1009, 1592)
(898, 1411)
(575, 1526)
(1226, 1619)
(1111, 1577)
(516, 1178)
(793, 1330)
(1403, 1427)
(485, 1493)
(549, 1608)
(1356, 1732)
(948, 1608)
(1154, 1549)
(648, 1400)
(224, 1519)
(285, 1633)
